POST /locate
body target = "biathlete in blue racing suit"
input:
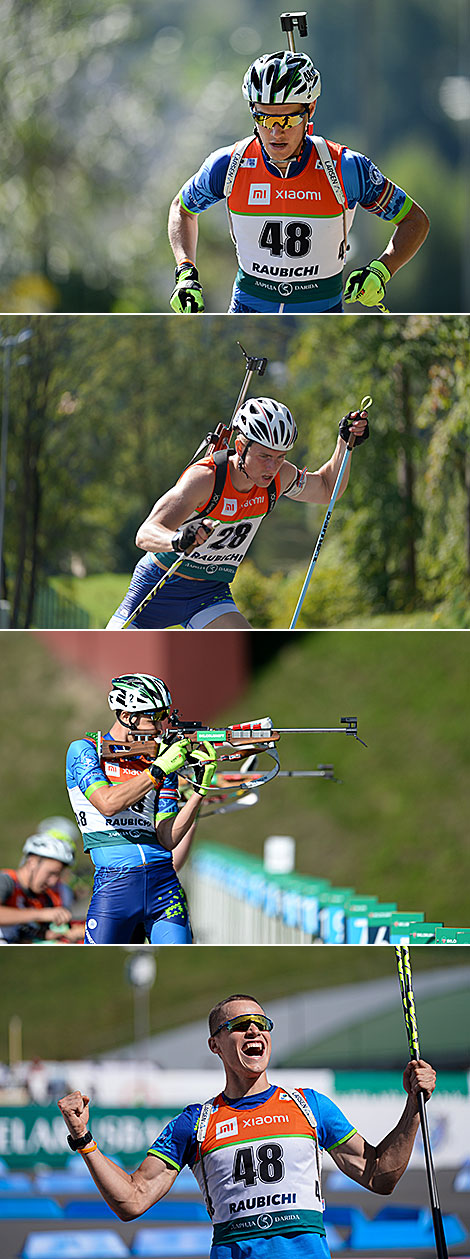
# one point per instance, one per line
(291, 198)
(256, 1149)
(127, 810)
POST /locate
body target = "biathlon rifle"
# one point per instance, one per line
(245, 738)
(219, 438)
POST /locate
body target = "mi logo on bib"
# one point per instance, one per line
(230, 507)
(227, 1128)
(259, 194)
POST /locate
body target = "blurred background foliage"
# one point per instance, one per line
(107, 108)
(107, 411)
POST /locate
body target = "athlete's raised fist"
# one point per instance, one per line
(75, 1111)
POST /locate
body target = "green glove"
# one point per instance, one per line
(187, 298)
(205, 770)
(169, 760)
(368, 286)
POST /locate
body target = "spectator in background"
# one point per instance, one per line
(35, 904)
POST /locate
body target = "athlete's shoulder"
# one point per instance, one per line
(198, 477)
(83, 747)
(207, 185)
(82, 756)
(178, 1138)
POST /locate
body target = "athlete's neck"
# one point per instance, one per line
(238, 1085)
(240, 480)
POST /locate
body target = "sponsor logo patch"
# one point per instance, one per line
(230, 507)
(265, 1221)
(259, 194)
(227, 1128)
(249, 161)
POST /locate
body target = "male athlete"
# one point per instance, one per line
(235, 489)
(291, 199)
(34, 902)
(127, 811)
(255, 1149)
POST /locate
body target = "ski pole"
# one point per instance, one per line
(411, 1024)
(366, 402)
(166, 576)
(288, 23)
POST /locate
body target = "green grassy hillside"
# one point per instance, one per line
(398, 824)
(76, 1001)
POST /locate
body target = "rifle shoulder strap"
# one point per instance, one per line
(234, 164)
(220, 459)
(335, 184)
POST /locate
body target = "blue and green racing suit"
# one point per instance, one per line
(259, 1169)
(286, 229)
(135, 884)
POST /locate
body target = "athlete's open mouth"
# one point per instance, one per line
(255, 1049)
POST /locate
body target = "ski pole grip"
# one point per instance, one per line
(365, 404)
(194, 545)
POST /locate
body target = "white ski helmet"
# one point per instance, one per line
(62, 826)
(138, 693)
(49, 844)
(278, 78)
(267, 422)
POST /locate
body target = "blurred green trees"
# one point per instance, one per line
(108, 411)
(108, 107)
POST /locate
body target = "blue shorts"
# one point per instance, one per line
(244, 304)
(125, 897)
(181, 601)
(297, 1246)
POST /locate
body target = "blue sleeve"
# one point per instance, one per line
(82, 765)
(168, 798)
(333, 1127)
(177, 1144)
(365, 185)
(207, 185)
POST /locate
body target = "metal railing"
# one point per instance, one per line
(53, 611)
(234, 900)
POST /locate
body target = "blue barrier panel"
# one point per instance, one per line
(65, 1183)
(386, 1233)
(189, 1212)
(15, 1182)
(75, 1244)
(172, 1243)
(30, 1209)
(334, 1239)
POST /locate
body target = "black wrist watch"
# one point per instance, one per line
(79, 1143)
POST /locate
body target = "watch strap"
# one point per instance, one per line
(79, 1143)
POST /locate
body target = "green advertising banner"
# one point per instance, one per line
(37, 1134)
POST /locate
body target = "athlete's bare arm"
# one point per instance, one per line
(407, 238)
(319, 485)
(128, 1194)
(172, 830)
(109, 799)
(182, 232)
(173, 508)
(380, 1167)
(182, 850)
(9, 916)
